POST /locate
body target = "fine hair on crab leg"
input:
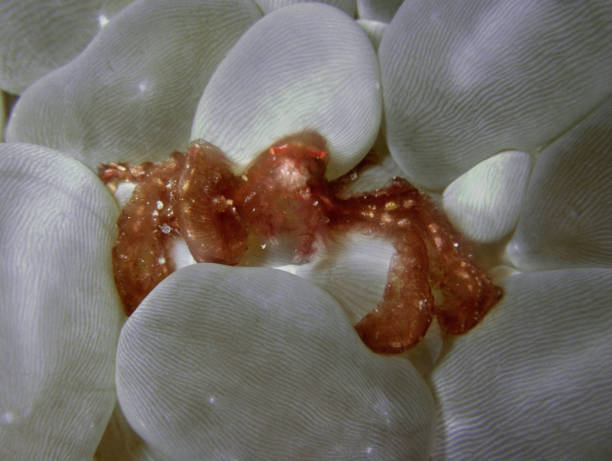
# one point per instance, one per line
(468, 292)
(402, 318)
(147, 225)
(206, 209)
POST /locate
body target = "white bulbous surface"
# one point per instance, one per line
(484, 203)
(60, 313)
(470, 78)
(532, 381)
(566, 220)
(131, 95)
(304, 67)
(223, 362)
(348, 6)
(37, 36)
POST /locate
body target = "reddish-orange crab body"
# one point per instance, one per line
(197, 197)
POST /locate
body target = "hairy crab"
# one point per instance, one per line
(197, 197)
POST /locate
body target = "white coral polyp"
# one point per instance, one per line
(59, 310)
(283, 376)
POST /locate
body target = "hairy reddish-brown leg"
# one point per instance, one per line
(468, 295)
(206, 210)
(146, 225)
(402, 318)
(468, 292)
(430, 254)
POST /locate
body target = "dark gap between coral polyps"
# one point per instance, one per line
(197, 197)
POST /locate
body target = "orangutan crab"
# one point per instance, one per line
(197, 197)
